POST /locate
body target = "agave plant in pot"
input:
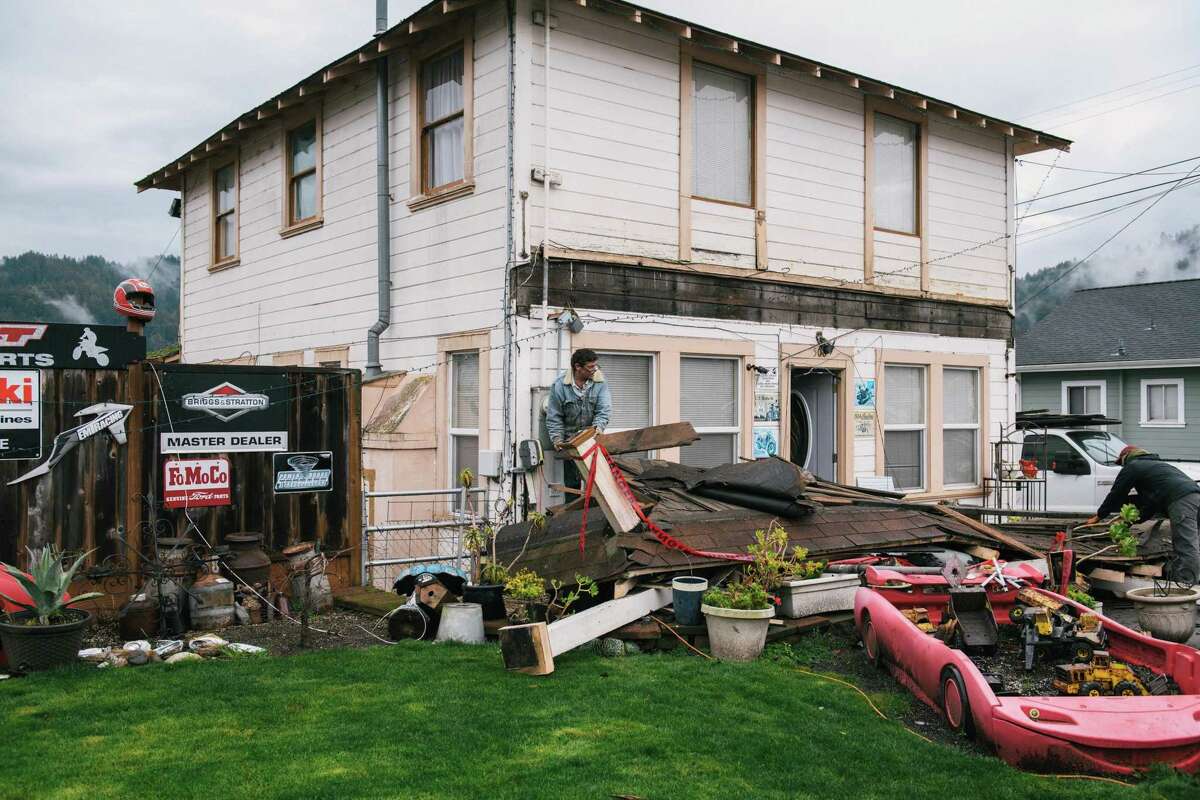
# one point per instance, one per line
(486, 586)
(738, 614)
(47, 633)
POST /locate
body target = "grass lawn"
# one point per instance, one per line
(416, 720)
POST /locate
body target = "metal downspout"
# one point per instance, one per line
(507, 460)
(382, 204)
(546, 381)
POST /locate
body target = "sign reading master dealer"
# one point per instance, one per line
(213, 413)
(303, 472)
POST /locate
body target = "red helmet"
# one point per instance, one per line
(134, 298)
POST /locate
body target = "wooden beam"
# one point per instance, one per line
(265, 112)
(881, 89)
(612, 501)
(717, 41)
(245, 123)
(451, 6)
(636, 16)
(914, 100)
(341, 70)
(655, 437)
(531, 648)
(226, 136)
(289, 101)
(944, 110)
(799, 64)
(677, 28)
(392, 42)
(367, 56)
(309, 91)
(988, 531)
(427, 22)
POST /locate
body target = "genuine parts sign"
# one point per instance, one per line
(189, 483)
(20, 414)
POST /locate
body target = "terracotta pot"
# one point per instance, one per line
(247, 563)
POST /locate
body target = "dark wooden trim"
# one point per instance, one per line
(670, 293)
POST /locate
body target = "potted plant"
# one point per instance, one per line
(739, 614)
(486, 586)
(48, 632)
(808, 590)
(527, 590)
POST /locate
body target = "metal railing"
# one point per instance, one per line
(417, 526)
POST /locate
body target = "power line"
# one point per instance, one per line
(1109, 180)
(1110, 91)
(1099, 247)
(1105, 197)
(1122, 108)
(163, 253)
(1097, 171)
(1078, 221)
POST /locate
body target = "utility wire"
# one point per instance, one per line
(1099, 247)
(1122, 108)
(1177, 181)
(1109, 180)
(1096, 171)
(1077, 222)
(163, 253)
(1110, 91)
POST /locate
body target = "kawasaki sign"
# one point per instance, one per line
(60, 346)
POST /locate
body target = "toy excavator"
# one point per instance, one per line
(1102, 676)
(1048, 624)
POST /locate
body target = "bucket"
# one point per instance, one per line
(686, 593)
(461, 622)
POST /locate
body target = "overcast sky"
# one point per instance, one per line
(97, 94)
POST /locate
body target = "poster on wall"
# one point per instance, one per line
(766, 407)
(864, 393)
(246, 413)
(864, 423)
(196, 482)
(766, 441)
(20, 414)
(303, 472)
(62, 346)
(767, 382)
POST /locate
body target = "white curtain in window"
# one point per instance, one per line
(895, 170)
(629, 381)
(465, 377)
(1083, 400)
(1163, 403)
(904, 393)
(466, 455)
(722, 121)
(708, 392)
(959, 460)
(304, 148)
(903, 453)
(960, 396)
(443, 82)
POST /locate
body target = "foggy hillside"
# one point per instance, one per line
(50, 288)
(1171, 257)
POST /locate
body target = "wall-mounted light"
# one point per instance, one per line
(824, 346)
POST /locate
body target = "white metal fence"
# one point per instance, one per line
(418, 526)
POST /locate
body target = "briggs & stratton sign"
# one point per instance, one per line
(63, 346)
(246, 413)
(196, 482)
(303, 472)
(20, 414)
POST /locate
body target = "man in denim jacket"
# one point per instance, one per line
(579, 399)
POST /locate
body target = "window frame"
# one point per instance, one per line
(653, 381)
(757, 72)
(1065, 396)
(1144, 420)
(288, 225)
(215, 261)
(977, 426)
(923, 426)
(452, 432)
(871, 107)
(736, 428)
(423, 195)
(918, 218)
(754, 178)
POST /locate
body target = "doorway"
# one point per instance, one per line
(814, 420)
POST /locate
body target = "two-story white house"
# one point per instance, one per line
(795, 258)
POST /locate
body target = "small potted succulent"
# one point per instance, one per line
(527, 590)
(486, 586)
(48, 632)
(738, 614)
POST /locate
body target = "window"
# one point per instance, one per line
(1162, 402)
(895, 174)
(630, 381)
(464, 414)
(904, 426)
(708, 398)
(722, 128)
(303, 174)
(960, 427)
(1103, 447)
(1084, 397)
(442, 121)
(1048, 451)
(225, 219)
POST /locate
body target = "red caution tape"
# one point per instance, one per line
(595, 453)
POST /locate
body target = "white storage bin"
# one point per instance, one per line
(805, 598)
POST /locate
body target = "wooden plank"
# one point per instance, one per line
(612, 501)
(655, 437)
(570, 632)
(988, 531)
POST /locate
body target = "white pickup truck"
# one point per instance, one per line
(1079, 465)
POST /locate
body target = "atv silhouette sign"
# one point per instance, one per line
(60, 346)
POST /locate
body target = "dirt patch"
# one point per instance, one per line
(281, 637)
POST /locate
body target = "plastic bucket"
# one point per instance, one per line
(686, 593)
(461, 622)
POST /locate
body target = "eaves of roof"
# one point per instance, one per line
(441, 12)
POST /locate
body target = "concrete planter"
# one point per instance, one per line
(820, 595)
(736, 634)
(1171, 617)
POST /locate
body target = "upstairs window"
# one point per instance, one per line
(895, 174)
(1162, 402)
(225, 218)
(708, 398)
(303, 174)
(1083, 397)
(442, 121)
(722, 131)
